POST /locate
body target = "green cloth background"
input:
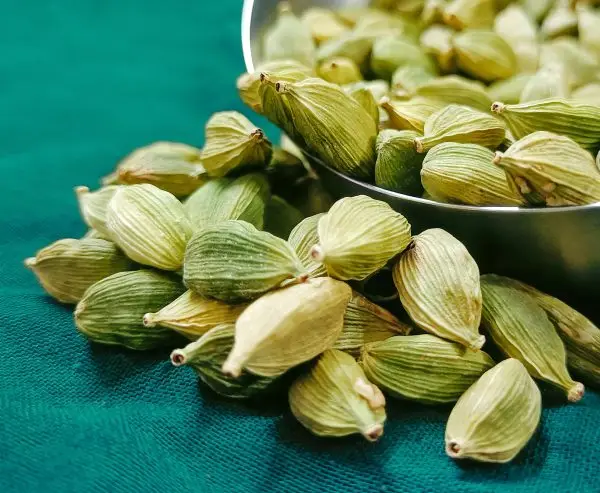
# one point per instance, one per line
(82, 82)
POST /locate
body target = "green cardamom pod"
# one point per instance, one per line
(242, 198)
(288, 38)
(323, 24)
(391, 52)
(170, 166)
(438, 283)
(407, 79)
(432, 12)
(339, 70)
(326, 121)
(378, 87)
(193, 315)
(484, 55)
(302, 238)
(233, 142)
(287, 327)
(588, 94)
(550, 81)
(552, 168)
(233, 261)
(111, 311)
(412, 114)
(463, 14)
(379, 23)
(281, 217)
(461, 124)
(353, 45)
(398, 164)
(581, 66)
(66, 268)
(453, 89)
(522, 330)
(423, 368)
(365, 98)
(465, 174)
(358, 236)
(509, 90)
(561, 20)
(584, 369)
(436, 41)
(579, 121)
(496, 416)
(537, 9)
(335, 399)
(93, 206)
(206, 356)
(364, 323)
(519, 30)
(588, 20)
(248, 84)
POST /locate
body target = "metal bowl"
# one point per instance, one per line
(556, 249)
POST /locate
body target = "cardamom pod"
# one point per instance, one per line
(287, 327)
(552, 168)
(66, 268)
(379, 24)
(438, 283)
(288, 38)
(561, 20)
(242, 198)
(550, 81)
(378, 87)
(302, 238)
(463, 14)
(461, 124)
(581, 66)
(408, 78)
(281, 217)
(537, 9)
(436, 41)
(522, 330)
(149, 225)
(391, 52)
(579, 121)
(112, 309)
(519, 30)
(509, 90)
(398, 164)
(588, 94)
(365, 322)
(365, 98)
(335, 399)
(93, 206)
(326, 121)
(233, 142)
(465, 174)
(588, 20)
(423, 368)
(412, 114)
(170, 166)
(193, 315)
(453, 89)
(92, 234)
(584, 369)
(233, 261)
(339, 70)
(496, 416)
(353, 45)
(358, 236)
(350, 15)
(484, 55)
(206, 356)
(323, 24)
(432, 12)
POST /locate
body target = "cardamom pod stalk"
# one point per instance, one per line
(281, 217)
(438, 283)
(358, 236)
(588, 94)
(352, 44)
(519, 30)
(508, 90)
(336, 399)
(436, 41)
(581, 66)
(193, 315)
(561, 20)
(496, 416)
(66, 268)
(453, 89)
(588, 20)
(170, 166)
(233, 261)
(578, 121)
(111, 310)
(323, 24)
(391, 52)
(302, 238)
(553, 168)
(242, 198)
(93, 206)
(365, 98)
(233, 142)
(339, 70)
(465, 174)
(550, 81)
(287, 327)
(366, 322)
(484, 55)
(330, 124)
(407, 79)
(412, 114)
(206, 356)
(149, 225)
(423, 368)
(462, 124)
(288, 38)
(522, 330)
(248, 84)
(398, 164)
(463, 14)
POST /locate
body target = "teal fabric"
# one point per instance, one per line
(82, 82)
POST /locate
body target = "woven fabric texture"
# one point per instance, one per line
(82, 82)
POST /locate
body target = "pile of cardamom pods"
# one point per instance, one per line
(235, 254)
(477, 102)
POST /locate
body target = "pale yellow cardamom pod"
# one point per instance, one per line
(588, 20)
(588, 94)
(351, 44)
(519, 30)
(335, 399)
(323, 24)
(339, 70)
(411, 114)
(508, 90)
(302, 238)
(438, 283)
(496, 416)
(93, 206)
(437, 42)
(453, 89)
(407, 79)
(287, 327)
(391, 52)
(549, 81)
(561, 20)
(581, 65)
(364, 97)
(463, 14)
